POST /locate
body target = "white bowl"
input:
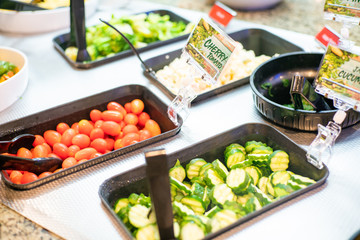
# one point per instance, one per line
(250, 4)
(12, 89)
(40, 21)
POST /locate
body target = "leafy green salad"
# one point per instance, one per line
(141, 29)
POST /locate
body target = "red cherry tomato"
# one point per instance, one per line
(116, 106)
(95, 115)
(67, 136)
(61, 150)
(127, 107)
(15, 176)
(131, 118)
(44, 174)
(82, 140)
(112, 115)
(62, 127)
(73, 149)
(52, 137)
(24, 153)
(153, 127)
(97, 133)
(137, 106)
(85, 153)
(111, 128)
(38, 140)
(40, 151)
(109, 144)
(144, 134)
(85, 127)
(143, 117)
(130, 138)
(99, 144)
(28, 177)
(130, 129)
(69, 162)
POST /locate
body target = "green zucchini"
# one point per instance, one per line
(195, 203)
(212, 178)
(279, 160)
(222, 219)
(190, 230)
(232, 146)
(261, 150)
(121, 203)
(193, 167)
(243, 164)
(302, 180)
(181, 210)
(252, 204)
(262, 184)
(212, 211)
(138, 216)
(250, 145)
(261, 196)
(204, 168)
(254, 173)
(148, 232)
(238, 180)
(220, 193)
(180, 186)
(220, 168)
(233, 157)
(178, 172)
(279, 177)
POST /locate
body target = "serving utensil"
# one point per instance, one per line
(12, 146)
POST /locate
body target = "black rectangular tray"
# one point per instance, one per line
(61, 42)
(80, 109)
(123, 185)
(258, 40)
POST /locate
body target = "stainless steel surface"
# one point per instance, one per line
(71, 208)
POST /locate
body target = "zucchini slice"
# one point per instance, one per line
(250, 145)
(262, 184)
(138, 216)
(254, 173)
(120, 203)
(222, 193)
(232, 146)
(180, 186)
(243, 164)
(212, 178)
(279, 160)
(262, 150)
(181, 209)
(177, 172)
(233, 157)
(148, 232)
(220, 168)
(261, 196)
(191, 231)
(302, 180)
(279, 177)
(195, 203)
(222, 219)
(212, 212)
(193, 167)
(238, 180)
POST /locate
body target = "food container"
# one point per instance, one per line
(258, 40)
(80, 109)
(12, 89)
(270, 104)
(40, 21)
(251, 5)
(61, 42)
(124, 184)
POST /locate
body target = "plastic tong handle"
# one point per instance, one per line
(158, 177)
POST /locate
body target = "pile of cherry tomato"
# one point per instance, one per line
(116, 127)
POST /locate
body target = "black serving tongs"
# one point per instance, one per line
(78, 30)
(35, 165)
(158, 178)
(147, 68)
(300, 89)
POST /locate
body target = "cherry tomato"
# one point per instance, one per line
(24, 153)
(137, 106)
(131, 118)
(116, 106)
(38, 140)
(112, 115)
(53, 155)
(73, 149)
(111, 128)
(47, 146)
(82, 140)
(144, 134)
(109, 143)
(85, 153)
(153, 127)
(130, 138)
(127, 107)
(52, 137)
(97, 133)
(98, 123)
(75, 126)
(118, 144)
(130, 129)
(28, 177)
(143, 117)
(85, 127)
(44, 174)
(62, 127)
(67, 136)
(40, 151)
(61, 150)
(15, 176)
(95, 115)
(94, 155)
(82, 160)
(99, 144)
(69, 162)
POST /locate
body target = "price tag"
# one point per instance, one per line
(339, 76)
(343, 10)
(209, 49)
(221, 14)
(327, 36)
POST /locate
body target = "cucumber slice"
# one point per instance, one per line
(278, 160)
(259, 159)
(121, 203)
(177, 172)
(197, 189)
(235, 207)
(212, 178)
(138, 216)
(243, 198)
(193, 167)
(180, 186)
(220, 168)
(254, 173)
(238, 180)
(176, 229)
(149, 232)
(233, 157)
(222, 193)
(195, 203)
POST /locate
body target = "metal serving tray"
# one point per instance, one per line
(258, 40)
(123, 185)
(80, 109)
(61, 42)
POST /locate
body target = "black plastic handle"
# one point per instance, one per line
(78, 20)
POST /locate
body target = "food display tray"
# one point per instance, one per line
(134, 181)
(258, 40)
(80, 109)
(61, 43)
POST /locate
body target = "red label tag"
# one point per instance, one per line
(328, 36)
(221, 14)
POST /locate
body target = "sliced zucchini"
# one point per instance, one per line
(193, 167)
(243, 198)
(195, 203)
(282, 190)
(212, 178)
(279, 177)
(235, 207)
(302, 180)
(262, 184)
(177, 172)
(294, 185)
(197, 189)
(233, 157)
(220, 168)
(238, 180)
(138, 215)
(180, 186)
(261, 196)
(220, 193)
(243, 164)
(120, 203)
(204, 168)
(191, 231)
(279, 160)
(148, 232)
(212, 211)
(252, 204)
(222, 219)
(250, 145)
(232, 146)
(261, 150)
(199, 180)
(176, 229)
(259, 160)
(254, 173)
(181, 209)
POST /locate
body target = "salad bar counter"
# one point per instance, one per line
(234, 174)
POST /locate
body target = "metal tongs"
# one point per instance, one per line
(35, 165)
(300, 89)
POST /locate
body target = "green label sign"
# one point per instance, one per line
(339, 73)
(350, 8)
(209, 48)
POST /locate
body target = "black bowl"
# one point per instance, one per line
(270, 102)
